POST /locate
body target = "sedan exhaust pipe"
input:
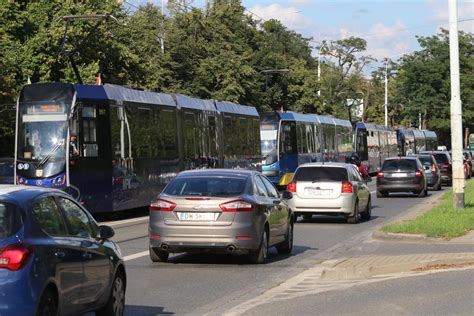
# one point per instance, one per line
(164, 247)
(231, 248)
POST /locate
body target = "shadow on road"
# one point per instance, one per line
(225, 259)
(137, 310)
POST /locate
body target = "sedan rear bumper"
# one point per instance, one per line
(239, 237)
(341, 205)
(400, 187)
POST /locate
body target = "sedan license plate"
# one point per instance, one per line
(399, 175)
(190, 216)
(317, 192)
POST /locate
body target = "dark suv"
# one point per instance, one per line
(401, 174)
(445, 165)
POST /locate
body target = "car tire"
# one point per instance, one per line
(423, 193)
(158, 255)
(260, 255)
(307, 217)
(116, 304)
(382, 194)
(48, 305)
(367, 214)
(354, 219)
(287, 246)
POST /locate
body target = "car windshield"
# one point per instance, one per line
(206, 186)
(268, 142)
(10, 220)
(441, 158)
(42, 132)
(321, 174)
(399, 164)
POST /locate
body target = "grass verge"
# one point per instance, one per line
(443, 221)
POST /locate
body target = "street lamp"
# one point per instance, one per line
(323, 43)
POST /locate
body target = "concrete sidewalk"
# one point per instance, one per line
(372, 266)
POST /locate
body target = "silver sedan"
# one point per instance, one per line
(330, 189)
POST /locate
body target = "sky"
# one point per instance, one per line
(388, 26)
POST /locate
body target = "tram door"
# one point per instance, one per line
(89, 165)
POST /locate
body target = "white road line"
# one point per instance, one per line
(125, 221)
(372, 192)
(136, 256)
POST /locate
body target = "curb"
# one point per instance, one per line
(371, 266)
(416, 211)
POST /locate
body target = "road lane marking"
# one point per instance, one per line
(136, 256)
(372, 192)
(126, 221)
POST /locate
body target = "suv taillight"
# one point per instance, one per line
(237, 206)
(14, 257)
(418, 173)
(291, 187)
(162, 205)
(380, 175)
(346, 187)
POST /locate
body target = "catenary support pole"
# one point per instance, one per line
(456, 111)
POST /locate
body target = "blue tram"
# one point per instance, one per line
(116, 147)
(289, 139)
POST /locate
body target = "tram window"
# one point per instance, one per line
(288, 142)
(167, 130)
(89, 132)
(256, 137)
(212, 136)
(229, 131)
(189, 135)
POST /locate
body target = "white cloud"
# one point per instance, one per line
(440, 12)
(290, 16)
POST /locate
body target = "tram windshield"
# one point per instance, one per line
(268, 142)
(42, 131)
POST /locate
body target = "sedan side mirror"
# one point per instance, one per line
(287, 195)
(106, 232)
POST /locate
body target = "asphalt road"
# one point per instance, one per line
(443, 293)
(199, 284)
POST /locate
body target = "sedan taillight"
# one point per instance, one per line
(237, 206)
(291, 187)
(14, 257)
(162, 205)
(346, 187)
(380, 175)
(418, 173)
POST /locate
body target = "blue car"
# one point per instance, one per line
(54, 258)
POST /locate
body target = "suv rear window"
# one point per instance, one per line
(441, 158)
(321, 174)
(399, 164)
(10, 220)
(208, 186)
(425, 160)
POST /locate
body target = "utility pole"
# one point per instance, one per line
(386, 92)
(162, 39)
(319, 66)
(456, 110)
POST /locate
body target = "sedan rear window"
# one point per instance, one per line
(208, 186)
(10, 220)
(441, 158)
(399, 164)
(321, 174)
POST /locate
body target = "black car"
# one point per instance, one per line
(445, 165)
(54, 258)
(402, 174)
(432, 172)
